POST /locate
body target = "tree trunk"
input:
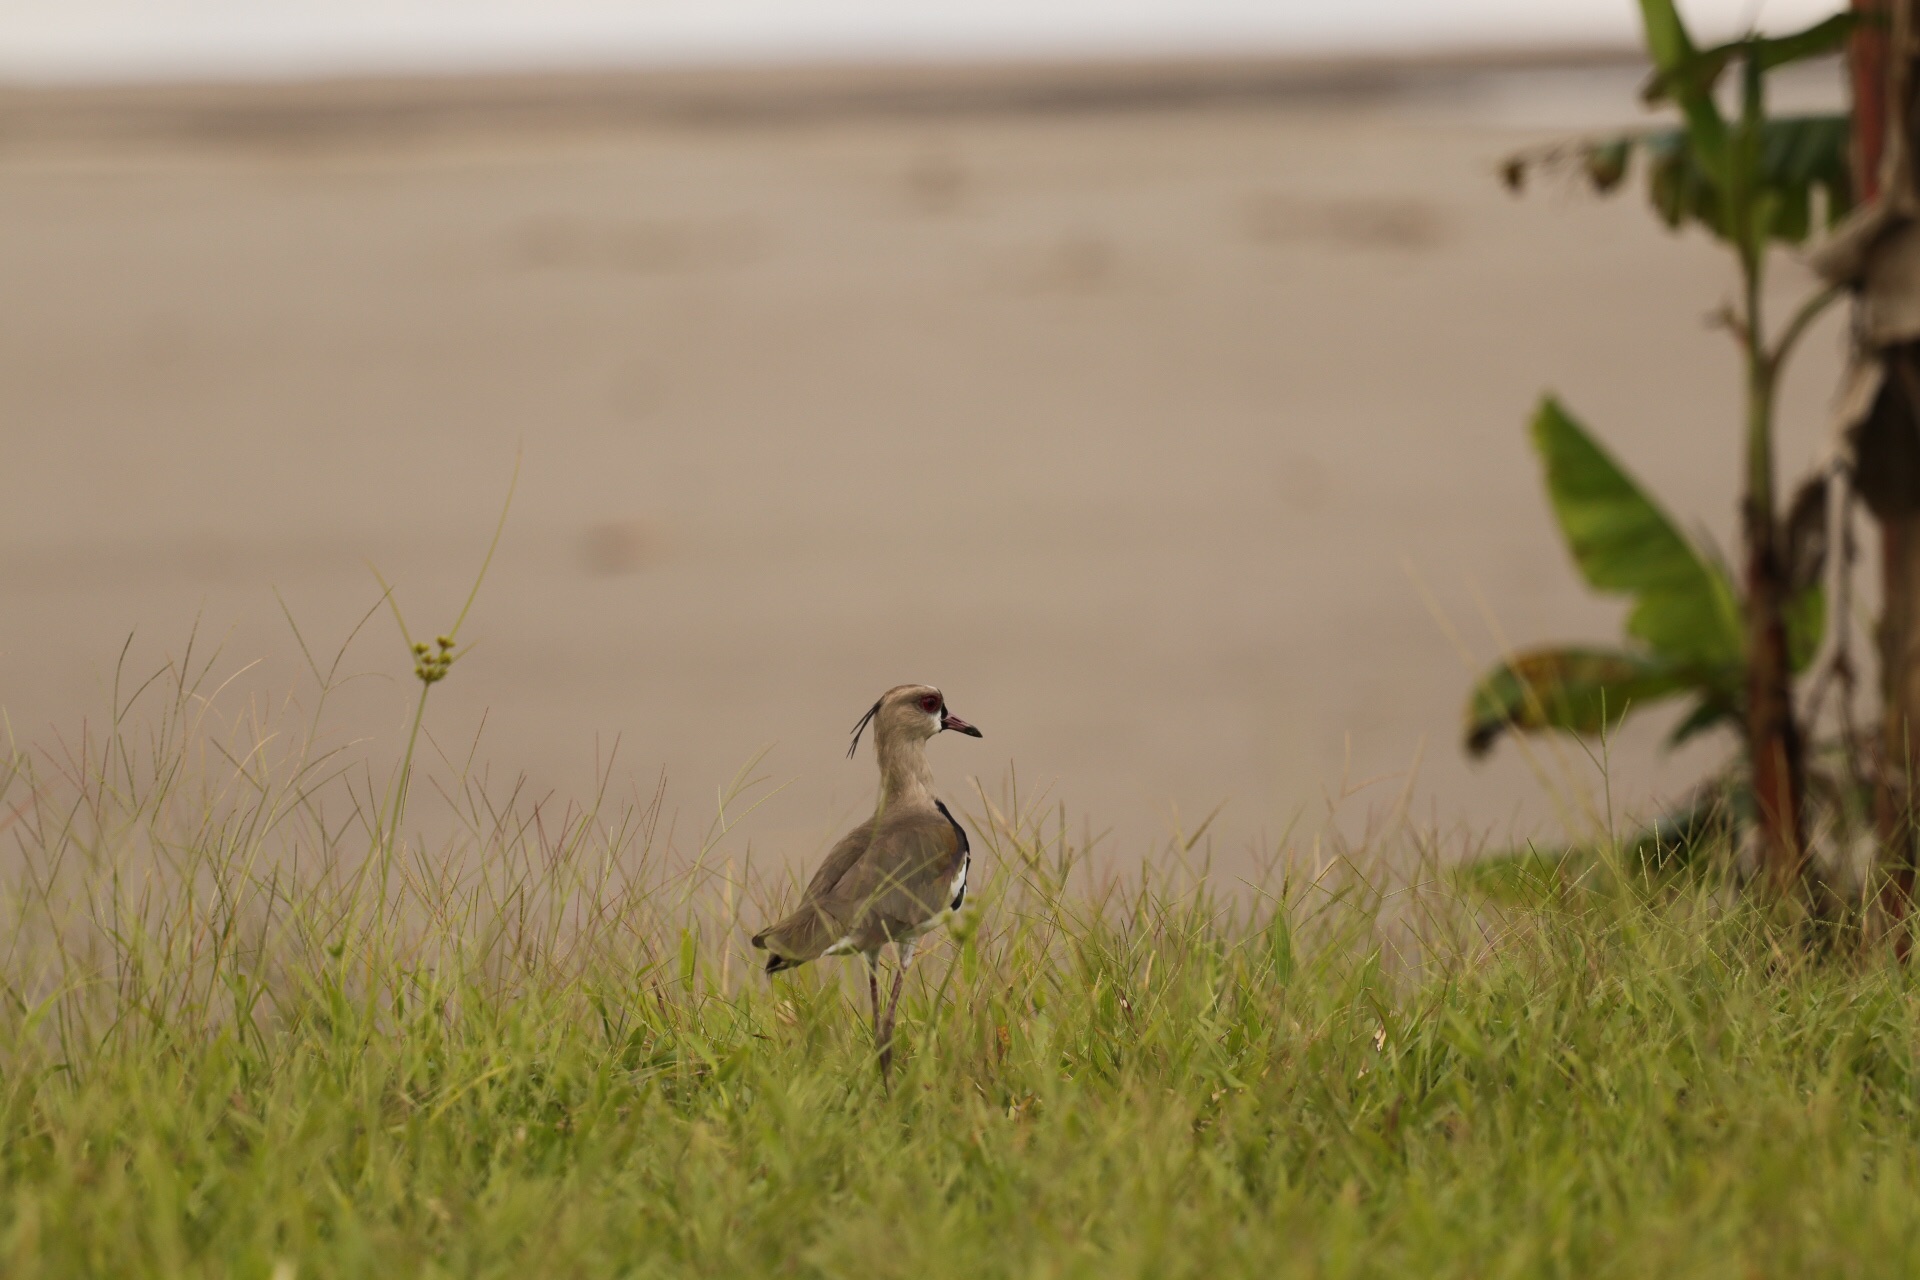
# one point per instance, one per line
(1887, 474)
(1867, 71)
(1773, 730)
(1886, 450)
(1900, 677)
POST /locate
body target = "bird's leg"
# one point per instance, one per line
(873, 989)
(904, 952)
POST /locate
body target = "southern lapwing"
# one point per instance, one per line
(896, 875)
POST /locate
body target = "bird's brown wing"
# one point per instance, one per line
(811, 928)
(904, 879)
(839, 858)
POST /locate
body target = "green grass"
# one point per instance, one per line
(246, 1031)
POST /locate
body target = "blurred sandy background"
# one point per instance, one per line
(1140, 406)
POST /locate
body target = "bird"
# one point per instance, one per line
(896, 875)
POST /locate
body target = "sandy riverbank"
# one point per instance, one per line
(1141, 411)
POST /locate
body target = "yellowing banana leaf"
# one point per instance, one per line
(1580, 691)
(1684, 607)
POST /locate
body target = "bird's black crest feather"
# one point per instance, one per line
(872, 711)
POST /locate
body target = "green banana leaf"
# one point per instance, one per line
(1672, 49)
(1685, 609)
(1710, 712)
(1700, 72)
(1583, 691)
(1799, 160)
(1790, 161)
(1798, 157)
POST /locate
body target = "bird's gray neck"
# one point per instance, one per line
(905, 776)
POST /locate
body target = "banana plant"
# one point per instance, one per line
(1752, 181)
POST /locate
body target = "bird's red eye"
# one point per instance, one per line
(929, 704)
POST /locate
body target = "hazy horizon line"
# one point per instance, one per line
(70, 41)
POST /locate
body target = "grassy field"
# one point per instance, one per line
(249, 1031)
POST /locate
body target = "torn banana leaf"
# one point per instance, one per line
(1582, 691)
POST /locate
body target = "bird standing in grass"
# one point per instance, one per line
(896, 875)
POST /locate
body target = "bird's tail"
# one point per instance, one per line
(775, 961)
(801, 937)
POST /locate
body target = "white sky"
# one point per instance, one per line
(82, 39)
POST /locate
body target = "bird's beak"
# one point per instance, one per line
(950, 721)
